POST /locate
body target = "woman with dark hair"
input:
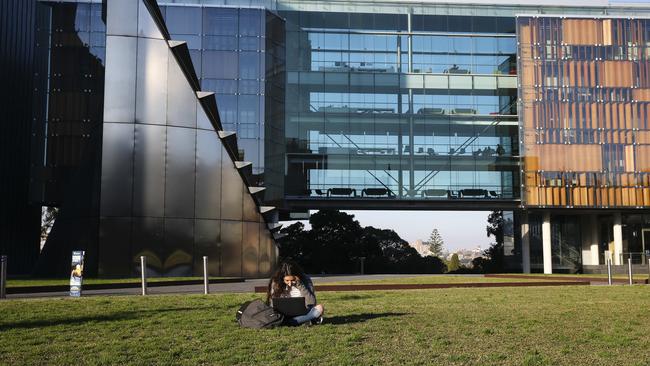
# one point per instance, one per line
(291, 281)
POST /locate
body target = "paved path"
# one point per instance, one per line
(237, 287)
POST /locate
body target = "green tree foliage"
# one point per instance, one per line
(454, 263)
(336, 242)
(492, 259)
(435, 243)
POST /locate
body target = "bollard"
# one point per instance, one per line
(609, 271)
(649, 272)
(3, 277)
(143, 274)
(206, 282)
(629, 270)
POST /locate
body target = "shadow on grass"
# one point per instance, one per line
(79, 320)
(358, 318)
(355, 297)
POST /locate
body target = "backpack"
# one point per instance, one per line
(257, 315)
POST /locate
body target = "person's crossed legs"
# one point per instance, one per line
(314, 313)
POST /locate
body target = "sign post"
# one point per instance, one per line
(629, 270)
(206, 281)
(3, 277)
(143, 274)
(76, 274)
(609, 271)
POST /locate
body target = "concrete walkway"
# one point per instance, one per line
(238, 287)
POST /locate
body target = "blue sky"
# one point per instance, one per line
(459, 229)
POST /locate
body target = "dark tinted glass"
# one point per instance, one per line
(484, 24)
(226, 43)
(459, 24)
(249, 109)
(184, 19)
(220, 64)
(220, 21)
(227, 108)
(505, 25)
(250, 22)
(430, 23)
(249, 65)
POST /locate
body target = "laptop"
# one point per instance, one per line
(290, 306)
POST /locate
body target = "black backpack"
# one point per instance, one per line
(257, 315)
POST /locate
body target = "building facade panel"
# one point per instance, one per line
(19, 216)
(582, 83)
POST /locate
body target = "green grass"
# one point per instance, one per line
(597, 325)
(93, 281)
(434, 279)
(636, 276)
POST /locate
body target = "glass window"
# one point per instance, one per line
(250, 43)
(460, 24)
(505, 24)
(335, 21)
(220, 21)
(250, 22)
(82, 18)
(387, 22)
(226, 43)
(184, 19)
(96, 22)
(249, 87)
(461, 44)
(193, 42)
(249, 109)
(220, 86)
(430, 23)
(227, 108)
(249, 65)
(335, 41)
(361, 21)
(219, 64)
(485, 45)
(484, 24)
(440, 44)
(507, 45)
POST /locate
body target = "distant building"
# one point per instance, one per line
(421, 247)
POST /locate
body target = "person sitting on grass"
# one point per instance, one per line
(291, 281)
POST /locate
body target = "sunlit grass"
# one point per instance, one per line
(635, 276)
(434, 279)
(581, 325)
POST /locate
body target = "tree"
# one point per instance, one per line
(495, 226)
(435, 243)
(454, 263)
(494, 254)
(336, 242)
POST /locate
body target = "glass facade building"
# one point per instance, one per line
(400, 106)
(537, 110)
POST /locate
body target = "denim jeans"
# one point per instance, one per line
(311, 315)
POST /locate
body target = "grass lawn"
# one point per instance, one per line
(635, 276)
(433, 279)
(598, 325)
(93, 281)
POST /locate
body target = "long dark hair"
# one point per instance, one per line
(286, 268)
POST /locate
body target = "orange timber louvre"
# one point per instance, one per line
(584, 89)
